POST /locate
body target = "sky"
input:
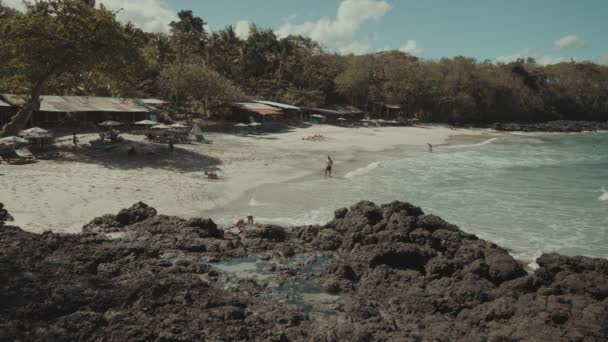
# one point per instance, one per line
(548, 30)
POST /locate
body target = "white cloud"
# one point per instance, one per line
(523, 53)
(149, 15)
(339, 32)
(411, 47)
(569, 42)
(16, 4)
(356, 47)
(542, 59)
(242, 29)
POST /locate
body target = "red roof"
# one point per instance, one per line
(258, 108)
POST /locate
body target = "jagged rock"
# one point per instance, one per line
(327, 240)
(398, 274)
(136, 213)
(112, 223)
(267, 232)
(4, 215)
(340, 213)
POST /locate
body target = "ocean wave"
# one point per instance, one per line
(363, 170)
(485, 142)
(604, 196)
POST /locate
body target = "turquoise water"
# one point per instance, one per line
(530, 193)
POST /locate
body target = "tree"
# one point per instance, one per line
(203, 89)
(188, 36)
(56, 37)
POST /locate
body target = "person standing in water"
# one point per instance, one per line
(329, 165)
(430, 147)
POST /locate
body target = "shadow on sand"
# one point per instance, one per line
(142, 155)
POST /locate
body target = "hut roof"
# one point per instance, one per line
(50, 103)
(258, 108)
(277, 104)
(337, 110)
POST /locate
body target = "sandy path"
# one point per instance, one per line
(62, 195)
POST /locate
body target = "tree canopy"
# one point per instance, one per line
(71, 47)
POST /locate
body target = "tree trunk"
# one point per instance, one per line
(32, 103)
(177, 85)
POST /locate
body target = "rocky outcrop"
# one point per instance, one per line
(4, 215)
(553, 126)
(111, 223)
(392, 272)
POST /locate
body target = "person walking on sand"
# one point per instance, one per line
(171, 148)
(430, 147)
(329, 165)
(75, 140)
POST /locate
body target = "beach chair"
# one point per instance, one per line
(201, 138)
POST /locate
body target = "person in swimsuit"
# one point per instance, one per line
(430, 147)
(330, 163)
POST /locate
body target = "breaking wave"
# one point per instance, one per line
(363, 170)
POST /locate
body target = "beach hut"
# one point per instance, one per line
(82, 111)
(256, 112)
(291, 113)
(333, 113)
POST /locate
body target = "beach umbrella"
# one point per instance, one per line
(253, 124)
(161, 126)
(240, 125)
(146, 122)
(35, 130)
(341, 119)
(178, 125)
(195, 129)
(110, 123)
(364, 120)
(13, 140)
(317, 116)
(39, 136)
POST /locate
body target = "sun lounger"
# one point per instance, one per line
(201, 139)
(100, 145)
(12, 158)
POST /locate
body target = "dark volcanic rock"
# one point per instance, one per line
(4, 215)
(137, 213)
(111, 223)
(396, 275)
(553, 126)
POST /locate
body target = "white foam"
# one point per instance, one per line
(604, 196)
(485, 142)
(363, 170)
(254, 203)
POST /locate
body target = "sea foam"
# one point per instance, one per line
(604, 196)
(485, 142)
(363, 170)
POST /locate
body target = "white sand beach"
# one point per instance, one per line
(65, 193)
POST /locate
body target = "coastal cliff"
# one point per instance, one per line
(386, 272)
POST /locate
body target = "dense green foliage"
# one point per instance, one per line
(198, 70)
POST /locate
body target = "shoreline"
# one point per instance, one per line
(356, 161)
(61, 194)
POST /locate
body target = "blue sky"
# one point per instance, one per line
(548, 30)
